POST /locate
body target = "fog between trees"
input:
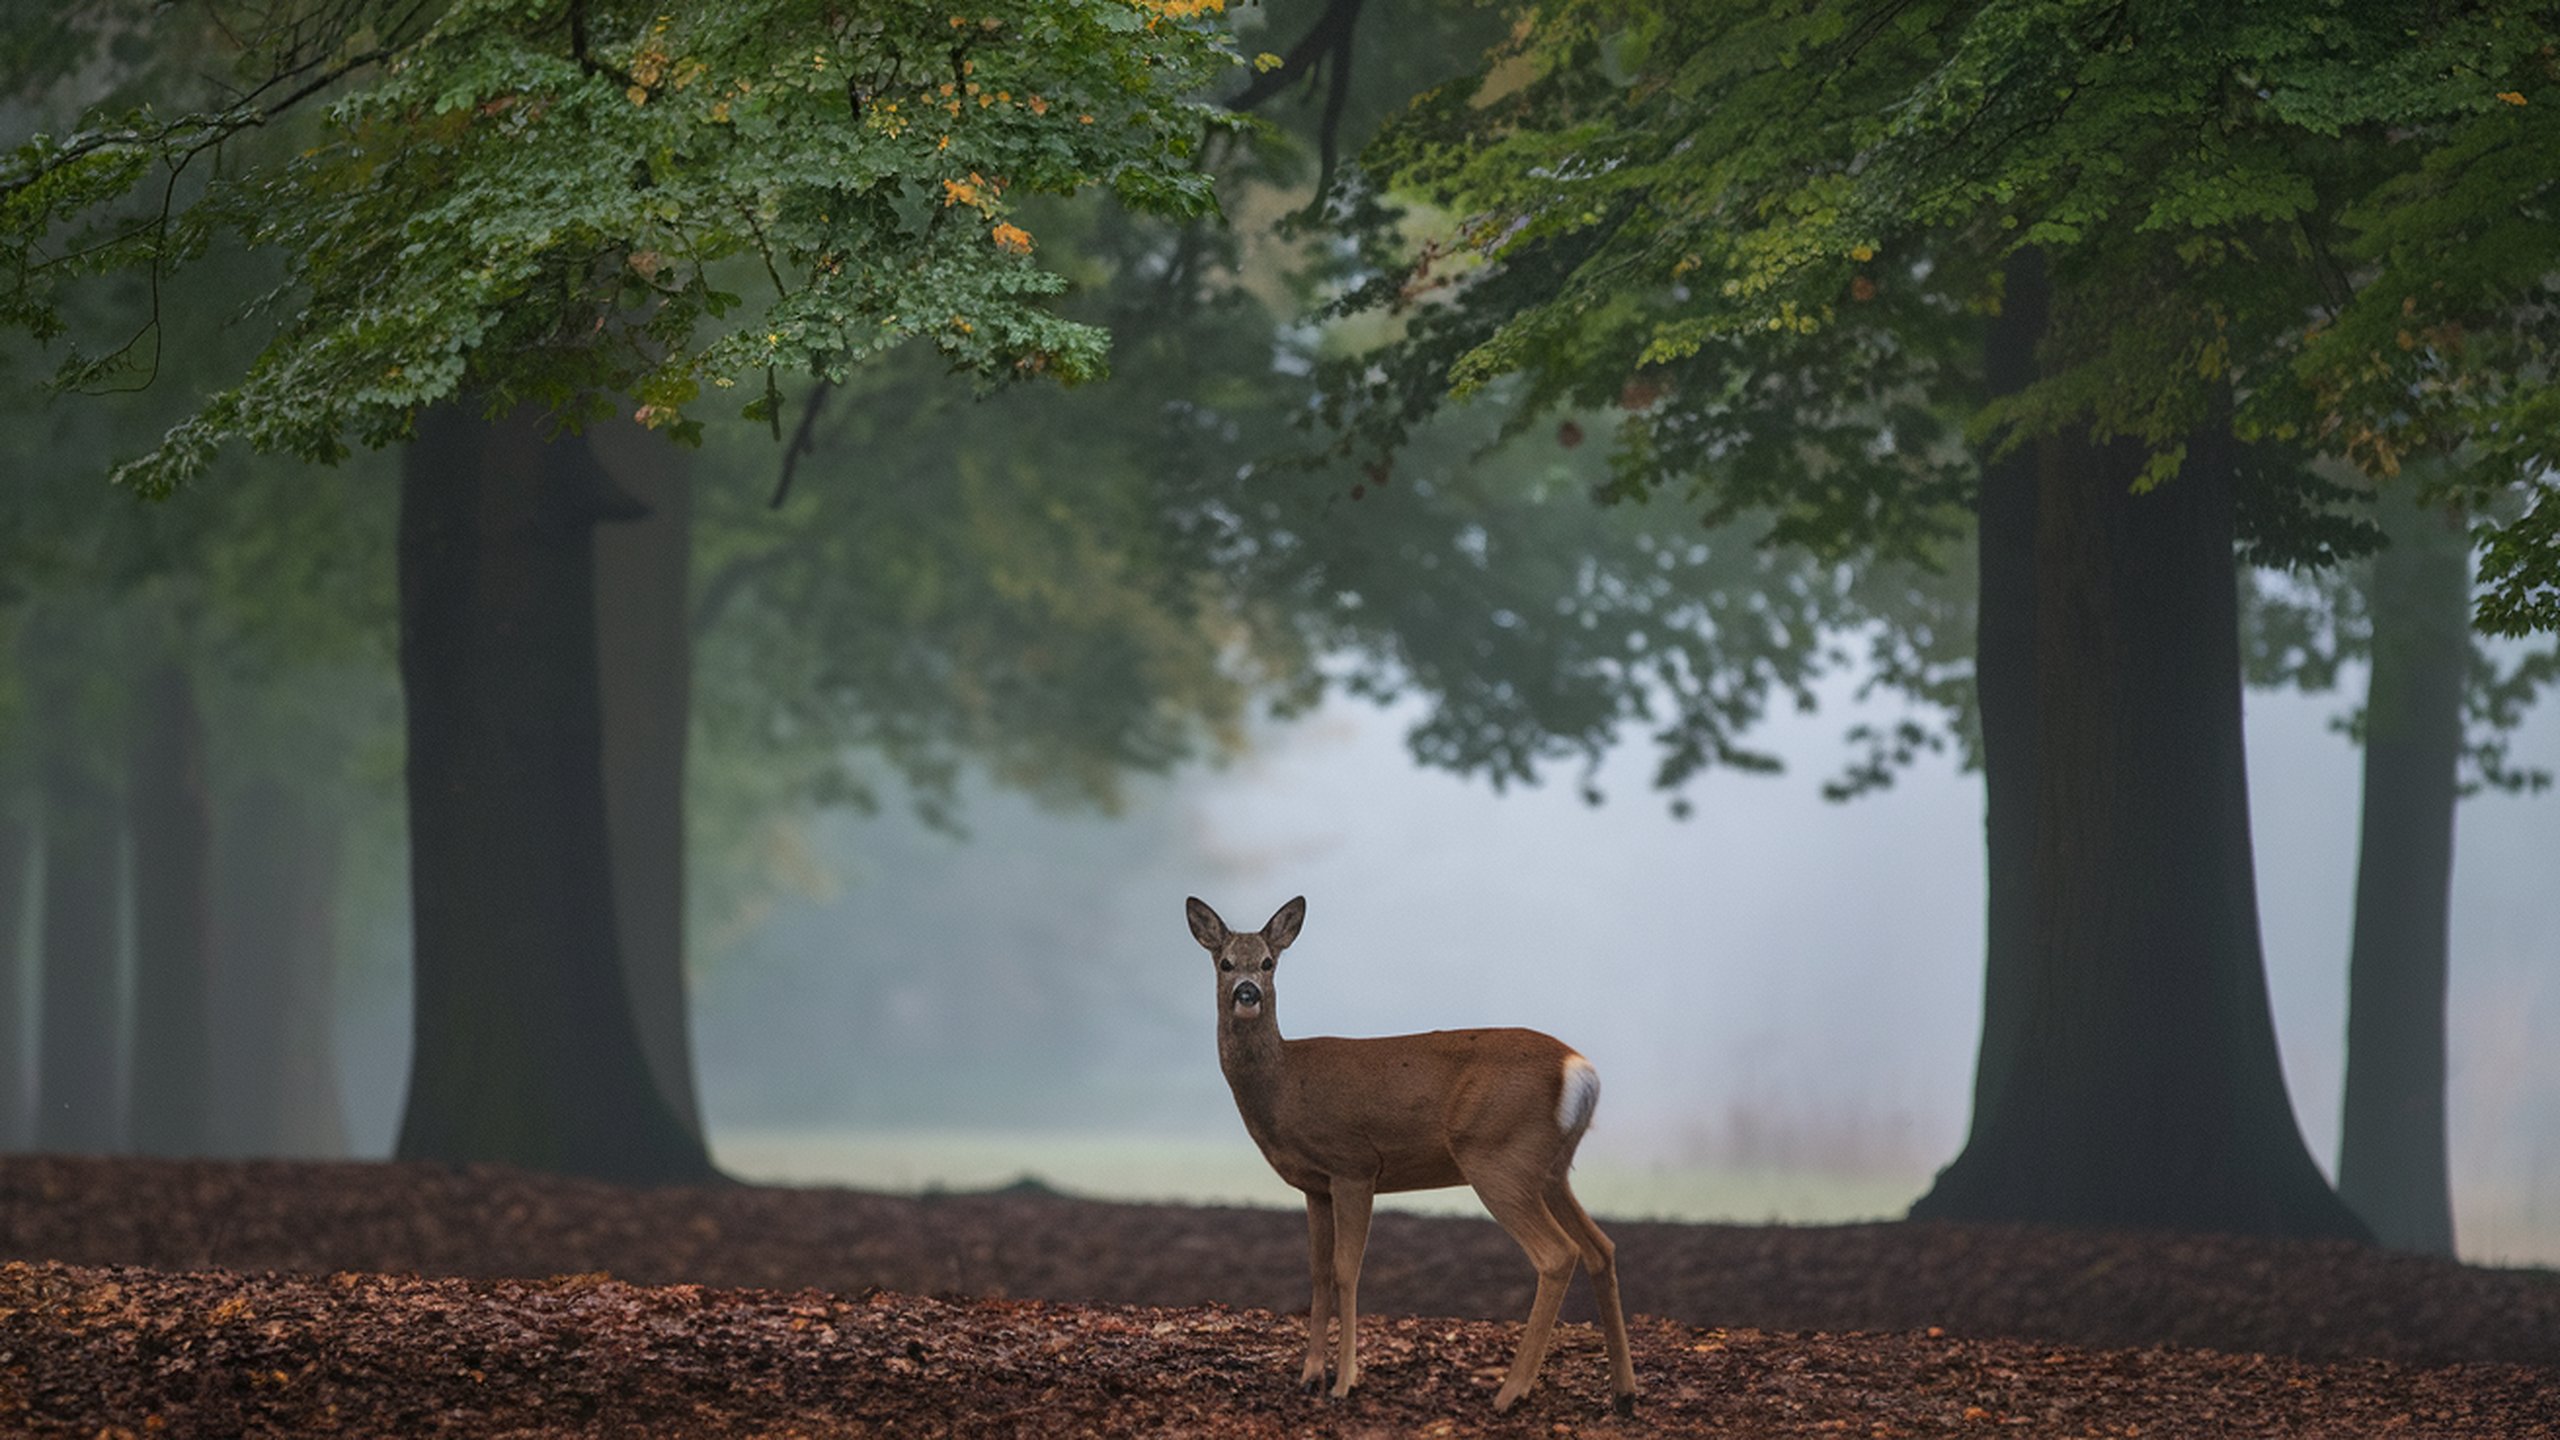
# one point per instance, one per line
(900, 597)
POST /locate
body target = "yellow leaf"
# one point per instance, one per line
(2511, 97)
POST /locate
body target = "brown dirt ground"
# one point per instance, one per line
(221, 1298)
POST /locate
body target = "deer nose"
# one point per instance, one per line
(1247, 993)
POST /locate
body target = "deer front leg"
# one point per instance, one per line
(1350, 1241)
(1320, 1267)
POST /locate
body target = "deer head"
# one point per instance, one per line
(1246, 961)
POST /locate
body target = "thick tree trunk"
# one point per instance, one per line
(2391, 1154)
(169, 815)
(17, 1048)
(79, 1104)
(645, 653)
(276, 961)
(2004, 669)
(525, 1047)
(2144, 1088)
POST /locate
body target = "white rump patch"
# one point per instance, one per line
(1581, 1095)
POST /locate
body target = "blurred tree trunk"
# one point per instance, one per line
(2392, 1166)
(525, 1050)
(169, 815)
(2005, 685)
(17, 1055)
(78, 1107)
(645, 658)
(276, 959)
(2141, 1085)
(79, 1064)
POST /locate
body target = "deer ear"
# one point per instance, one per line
(1283, 925)
(1206, 927)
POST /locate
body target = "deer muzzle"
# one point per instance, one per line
(1246, 998)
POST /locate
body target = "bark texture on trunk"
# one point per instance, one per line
(645, 651)
(170, 817)
(2144, 1087)
(276, 961)
(17, 991)
(525, 1050)
(2392, 1167)
(2004, 671)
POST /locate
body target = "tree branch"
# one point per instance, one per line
(804, 439)
(1327, 43)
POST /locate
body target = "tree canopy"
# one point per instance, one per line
(554, 203)
(1772, 232)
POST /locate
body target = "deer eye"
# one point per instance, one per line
(1225, 964)
(1266, 962)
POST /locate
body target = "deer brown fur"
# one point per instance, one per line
(1348, 1120)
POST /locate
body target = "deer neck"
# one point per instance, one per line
(1251, 1054)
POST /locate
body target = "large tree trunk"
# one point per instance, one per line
(2391, 1153)
(2143, 1087)
(2004, 669)
(169, 815)
(79, 1062)
(17, 1052)
(276, 955)
(525, 1048)
(645, 651)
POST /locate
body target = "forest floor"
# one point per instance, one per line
(209, 1298)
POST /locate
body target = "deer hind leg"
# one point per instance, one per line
(1350, 1241)
(1320, 1309)
(1600, 1258)
(1521, 1209)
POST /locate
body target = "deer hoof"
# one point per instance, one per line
(1625, 1405)
(1312, 1385)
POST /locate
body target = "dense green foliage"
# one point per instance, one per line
(1770, 232)
(558, 202)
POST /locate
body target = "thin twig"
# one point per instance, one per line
(803, 441)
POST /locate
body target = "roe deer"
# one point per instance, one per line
(1348, 1120)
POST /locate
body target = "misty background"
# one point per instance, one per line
(1782, 993)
